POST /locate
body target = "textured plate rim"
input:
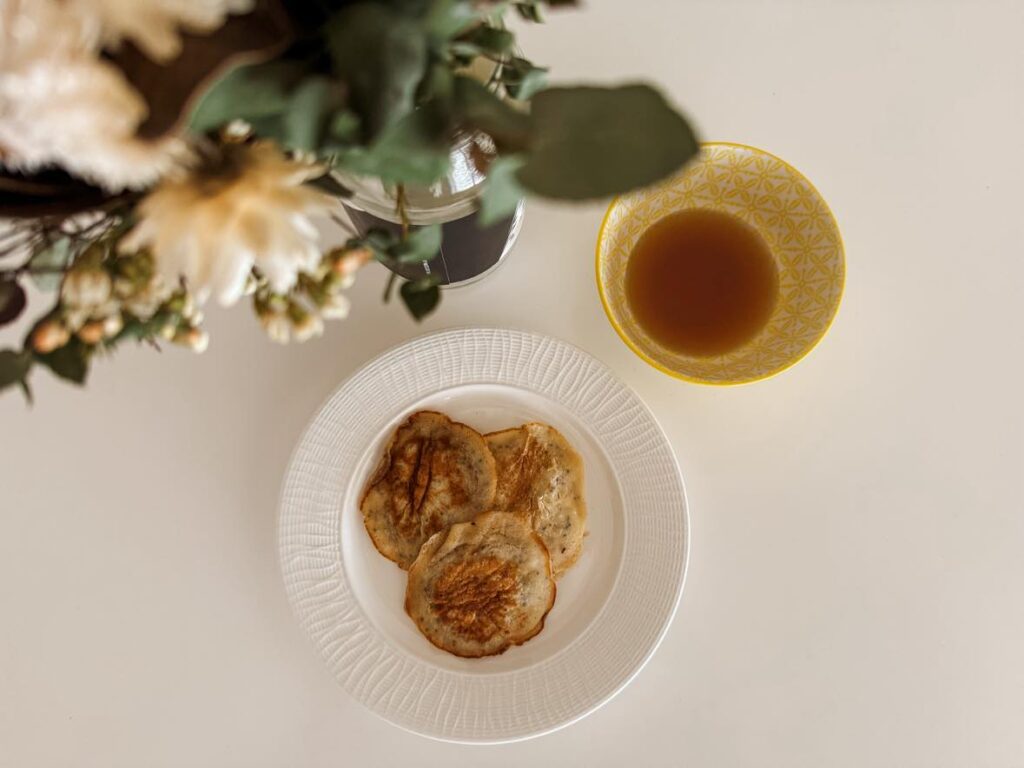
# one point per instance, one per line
(312, 620)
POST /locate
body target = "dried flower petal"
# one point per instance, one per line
(213, 231)
(61, 104)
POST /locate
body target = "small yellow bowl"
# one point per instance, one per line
(785, 208)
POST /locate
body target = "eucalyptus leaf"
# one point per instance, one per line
(413, 150)
(249, 93)
(523, 79)
(448, 18)
(70, 362)
(12, 301)
(420, 297)
(502, 191)
(309, 112)
(489, 39)
(438, 87)
(381, 241)
(381, 54)
(140, 330)
(595, 142)
(530, 11)
(422, 244)
(344, 126)
(45, 265)
(479, 108)
(14, 367)
(329, 183)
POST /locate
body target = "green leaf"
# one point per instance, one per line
(14, 367)
(421, 297)
(413, 150)
(252, 93)
(448, 18)
(26, 390)
(344, 126)
(381, 54)
(389, 287)
(490, 39)
(502, 191)
(523, 79)
(141, 330)
(595, 142)
(48, 261)
(70, 362)
(479, 108)
(422, 244)
(438, 87)
(530, 11)
(12, 301)
(309, 111)
(381, 241)
(329, 183)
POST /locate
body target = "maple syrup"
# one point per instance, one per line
(701, 282)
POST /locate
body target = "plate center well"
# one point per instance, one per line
(379, 585)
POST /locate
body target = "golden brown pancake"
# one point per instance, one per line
(480, 587)
(434, 472)
(540, 478)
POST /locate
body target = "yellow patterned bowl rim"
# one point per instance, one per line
(628, 330)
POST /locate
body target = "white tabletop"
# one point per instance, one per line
(855, 587)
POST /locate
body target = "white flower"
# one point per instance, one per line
(112, 325)
(85, 289)
(195, 339)
(308, 326)
(198, 340)
(336, 307)
(146, 301)
(49, 336)
(277, 326)
(236, 130)
(351, 262)
(60, 104)
(153, 24)
(213, 229)
(91, 332)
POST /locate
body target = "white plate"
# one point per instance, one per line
(612, 608)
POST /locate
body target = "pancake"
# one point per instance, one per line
(540, 478)
(434, 472)
(480, 587)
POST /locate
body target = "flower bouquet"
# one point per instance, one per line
(157, 153)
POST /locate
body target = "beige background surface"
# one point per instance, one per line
(855, 591)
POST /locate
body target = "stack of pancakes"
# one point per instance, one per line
(484, 524)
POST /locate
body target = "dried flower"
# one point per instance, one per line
(236, 131)
(49, 336)
(60, 103)
(309, 326)
(92, 332)
(213, 229)
(148, 299)
(336, 307)
(86, 289)
(277, 327)
(112, 325)
(153, 24)
(195, 339)
(351, 260)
